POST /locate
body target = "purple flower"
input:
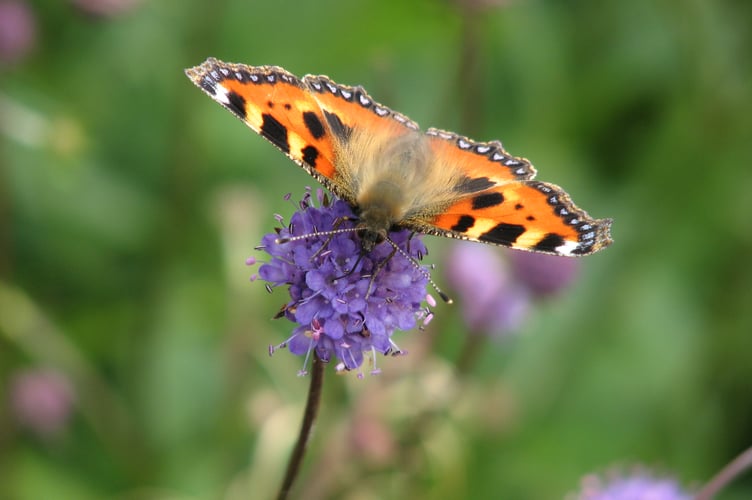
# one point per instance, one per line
(544, 274)
(41, 400)
(491, 301)
(18, 28)
(105, 8)
(640, 485)
(346, 303)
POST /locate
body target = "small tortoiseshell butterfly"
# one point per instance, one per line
(393, 174)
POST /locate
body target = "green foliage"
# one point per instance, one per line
(129, 201)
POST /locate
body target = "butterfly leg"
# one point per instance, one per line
(409, 250)
(352, 269)
(376, 270)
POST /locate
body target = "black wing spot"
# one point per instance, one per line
(236, 104)
(468, 185)
(288, 106)
(549, 243)
(530, 218)
(310, 154)
(270, 104)
(465, 223)
(503, 233)
(273, 130)
(335, 123)
(487, 200)
(519, 206)
(314, 125)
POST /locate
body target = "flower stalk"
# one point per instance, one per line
(306, 427)
(736, 468)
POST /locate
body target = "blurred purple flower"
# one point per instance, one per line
(41, 400)
(345, 303)
(544, 274)
(492, 303)
(18, 29)
(640, 485)
(105, 8)
(475, 6)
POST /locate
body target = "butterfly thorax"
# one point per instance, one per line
(380, 207)
(384, 171)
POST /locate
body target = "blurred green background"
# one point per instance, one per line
(133, 349)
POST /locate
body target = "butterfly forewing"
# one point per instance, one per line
(275, 104)
(478, 160)
(346, 108)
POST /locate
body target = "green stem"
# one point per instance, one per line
(737, 466)
(309, 417)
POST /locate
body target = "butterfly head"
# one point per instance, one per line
(369, 238)
(379, 209)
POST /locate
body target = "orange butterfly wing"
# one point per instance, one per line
(526, 215)
(352, 107)
(506, 207)
(479, 160)
(276, 105)
(306, 119)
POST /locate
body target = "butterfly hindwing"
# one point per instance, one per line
(526, 215)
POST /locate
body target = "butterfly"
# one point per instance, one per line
(395, 176)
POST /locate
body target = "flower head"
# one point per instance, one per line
(492, 303)
(105, 8)
(42, 400)
(345, 302)
(544, 275)
(18, 27)
(640, 485)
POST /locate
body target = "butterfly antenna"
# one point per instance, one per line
(334, 232)
(420, 269)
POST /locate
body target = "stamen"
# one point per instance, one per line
(375, 370)
(304, 371)
(394, 349)
(430, 300)
(274, 348)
